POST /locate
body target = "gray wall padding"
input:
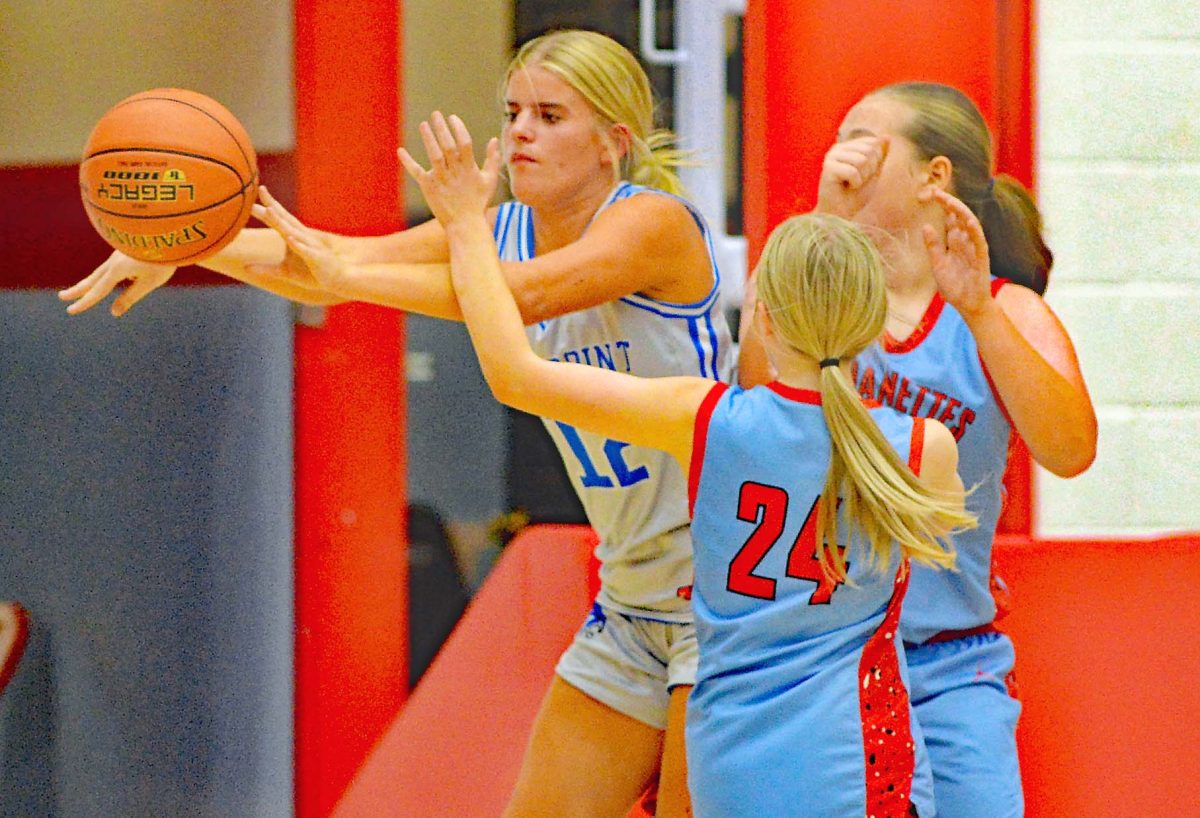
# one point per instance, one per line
(146, 523)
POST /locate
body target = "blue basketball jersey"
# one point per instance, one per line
(635, 497)
(937, 373)
(800, 705)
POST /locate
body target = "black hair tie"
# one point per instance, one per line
(830, 362)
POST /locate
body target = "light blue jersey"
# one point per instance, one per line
(937, 373)
(800, 706)
(959, 666)
(635, 497)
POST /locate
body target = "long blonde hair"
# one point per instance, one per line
(821, 280)
(610, 78)
(946, 122)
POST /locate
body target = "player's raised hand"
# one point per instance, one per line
(454, 186)
(960, 261)
(848, 175)
(310, 260)
(117, 268)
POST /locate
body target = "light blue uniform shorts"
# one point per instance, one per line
(960, 694)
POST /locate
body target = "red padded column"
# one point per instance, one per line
(808, 61)
(351, 574)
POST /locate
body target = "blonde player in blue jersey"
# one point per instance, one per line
(609, 269)
(978, 349)
(800, 705)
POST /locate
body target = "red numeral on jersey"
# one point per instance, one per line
(805, 563)
(766, 506)
(771, 502)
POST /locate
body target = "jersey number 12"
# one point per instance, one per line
(591, 478)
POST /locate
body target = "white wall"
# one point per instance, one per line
(1119, 183)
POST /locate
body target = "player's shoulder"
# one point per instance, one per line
(1027, 310)
(1016, 298)
(649, 210)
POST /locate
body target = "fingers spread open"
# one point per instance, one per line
(411, 165)
(442, 131)
(134, 293)
(432, 149)
(462, 139)
(80, 287)
(934, 245)
(98, 291)
(491, 164)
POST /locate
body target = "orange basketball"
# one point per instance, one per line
(168, 176)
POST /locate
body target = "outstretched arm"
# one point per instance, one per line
(649, 412)
(1027, 352)
(259, 257)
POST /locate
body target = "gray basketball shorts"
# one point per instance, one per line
(631, 663)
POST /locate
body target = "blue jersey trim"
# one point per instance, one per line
(664, 310)
(713, 343)
(694, 331)
(505, 215)
(673, 309)
(667, 309)
(527, 244)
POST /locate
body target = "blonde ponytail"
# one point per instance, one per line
(821, 279)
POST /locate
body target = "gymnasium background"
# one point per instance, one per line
(148, 513)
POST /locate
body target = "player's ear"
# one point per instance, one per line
(939, 171)
(621, 138)
(763, 317)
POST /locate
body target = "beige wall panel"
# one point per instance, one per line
(66, 62)
(454, 54)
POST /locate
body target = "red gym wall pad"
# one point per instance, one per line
(351, 575)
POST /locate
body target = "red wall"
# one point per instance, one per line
(47, 242)
(351, 556)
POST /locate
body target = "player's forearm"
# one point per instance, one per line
(491, 313)
(1054, 416)
(425, 289)
(423, 244)
(365, 249)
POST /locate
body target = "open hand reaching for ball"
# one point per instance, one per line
(117, 268)
(454, 186)
(310, 260)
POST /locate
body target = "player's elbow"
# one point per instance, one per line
(502, 382)
(1074, 459)
(1074, 465)
(512, 380)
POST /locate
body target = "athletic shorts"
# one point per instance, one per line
(961, 694)
(631, 663)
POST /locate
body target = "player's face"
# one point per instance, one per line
(553, 146)
(892, 195)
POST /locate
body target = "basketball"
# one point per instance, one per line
(168, 176)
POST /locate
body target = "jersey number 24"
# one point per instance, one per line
(767, 506)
